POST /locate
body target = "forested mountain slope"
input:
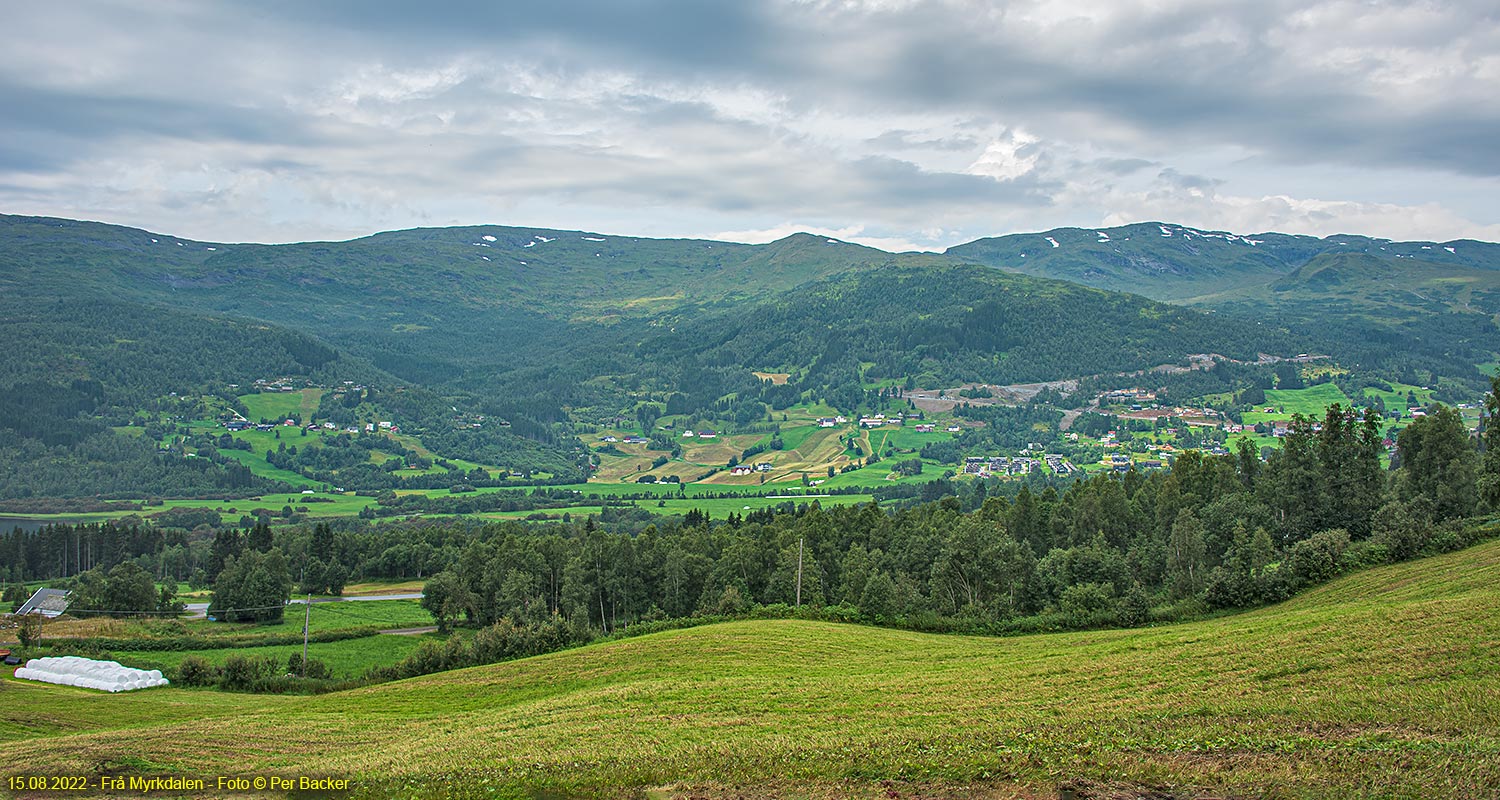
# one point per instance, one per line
(1420, 310)
(543, 329)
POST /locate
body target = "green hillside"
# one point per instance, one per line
(414, 277)
(1421, 310)
(549, 334)
(1380, 684)
(539, 331)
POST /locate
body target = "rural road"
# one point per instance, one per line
(200, 610)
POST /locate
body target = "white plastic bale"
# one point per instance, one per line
(107, 676)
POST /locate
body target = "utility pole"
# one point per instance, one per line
(799, 573)
(306, 618)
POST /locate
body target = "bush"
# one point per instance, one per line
(196, 671)
(1317, 559)
(246, 673)
(1087, 605)
(30, 631)
(1401, 532)
(1448, 537)
(1363, 555)
(316, 669)
(1134, 609)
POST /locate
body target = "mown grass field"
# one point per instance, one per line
(1312, 400)
(1382, 684)
(276, 406)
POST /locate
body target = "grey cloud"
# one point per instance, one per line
(1122, 166)
(687, 33)
(1165, 91)
(912, 140)
(91, 117)
(1184, 181)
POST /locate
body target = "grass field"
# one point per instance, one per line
(1378, 685)
(1311, 400)
(346, 659)
(332, 616)
(1400, 398)
(383, 614)
(341, 505)
(281, 405)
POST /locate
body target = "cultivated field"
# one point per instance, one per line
(1378, 685)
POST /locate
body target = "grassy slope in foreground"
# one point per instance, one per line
(1380, 684)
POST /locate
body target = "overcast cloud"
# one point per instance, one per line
(899, 124)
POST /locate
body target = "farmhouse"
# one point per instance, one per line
(825, 422)
(764, 466)
(708, 434)
(926, 428)
(742, 469)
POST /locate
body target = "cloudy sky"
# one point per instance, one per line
(905, 125)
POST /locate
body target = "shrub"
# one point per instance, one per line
(316, 669)
(1363, 555)
(1134, 609)
(30, 631)
(1086, 605)
(1317, 559)
(196, 671)
(245, 673)
(1402, 533)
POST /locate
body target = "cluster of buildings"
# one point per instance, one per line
(632, 439)
(240, 424)
(236, 425)
(746, 469)
(1121, 462)
(986, 467)
(1134, 397)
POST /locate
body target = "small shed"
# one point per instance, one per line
(47, 602)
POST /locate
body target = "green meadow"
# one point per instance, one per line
(347, 659)
(1380, 684)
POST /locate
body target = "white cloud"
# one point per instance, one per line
(1012, 156)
